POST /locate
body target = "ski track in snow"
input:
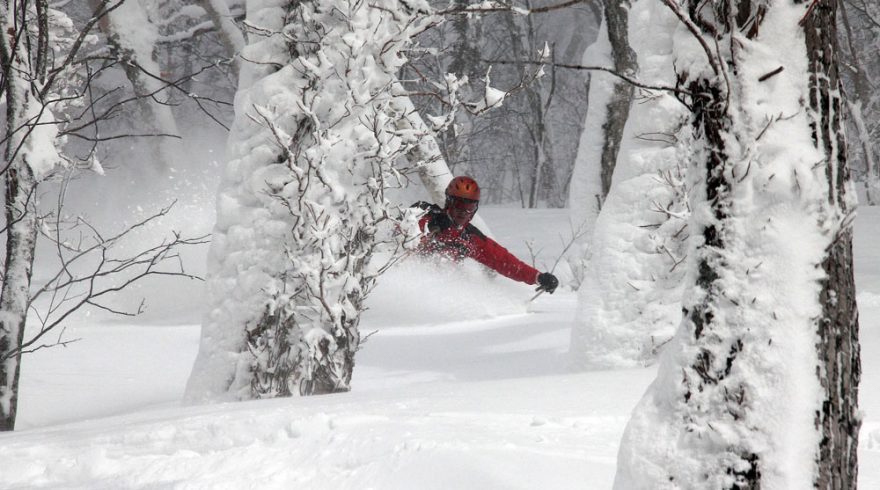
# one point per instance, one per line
(464, 402)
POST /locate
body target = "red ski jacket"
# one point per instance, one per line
(469, 242)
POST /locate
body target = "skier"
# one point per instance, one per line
(448, 233)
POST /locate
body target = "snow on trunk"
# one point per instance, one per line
(839, 354)
(301, 209)
(585, 195)
(630, 299)
(769, 300)
(30, 154)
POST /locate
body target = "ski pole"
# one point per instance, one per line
(540, 292)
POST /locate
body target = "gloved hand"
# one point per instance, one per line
(439, 221)
(547, 282)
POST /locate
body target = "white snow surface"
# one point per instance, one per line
(463, 386)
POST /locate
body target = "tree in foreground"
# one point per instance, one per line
(49, 98)
(759, 388)
(302, 216)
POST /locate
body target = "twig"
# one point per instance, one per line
(625, 78)
(771, 74)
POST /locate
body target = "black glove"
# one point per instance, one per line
(547, 282)
(439, 221)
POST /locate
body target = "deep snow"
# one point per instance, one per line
(463, 385)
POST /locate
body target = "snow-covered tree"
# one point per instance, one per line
(29, 154)
(860, 39)
(49, 100)
(629, 299)
(532, 135)
(609, 106)
(759, 387)
(132, 38)
(317, 136)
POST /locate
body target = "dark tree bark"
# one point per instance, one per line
(465, 53)
(839, 352)
(617, 110)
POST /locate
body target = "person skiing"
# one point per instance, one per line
(449, 233)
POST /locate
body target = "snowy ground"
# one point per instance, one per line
(463, 385)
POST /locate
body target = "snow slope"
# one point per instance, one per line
(463, 386)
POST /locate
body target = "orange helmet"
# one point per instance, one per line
(463, 187)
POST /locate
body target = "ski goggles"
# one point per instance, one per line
(462, 205)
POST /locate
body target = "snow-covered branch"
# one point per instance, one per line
(626, 78)
(494, 6)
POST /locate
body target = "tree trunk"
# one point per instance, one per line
(21, 239)
(617, 108)
(633, 268)
(752, 399)
(230, 35)
(137, 60)
(838, 349)
(537, 130)
(862, 97)
(465, 56)
(21, 223)
(302, 210)
(538, 126)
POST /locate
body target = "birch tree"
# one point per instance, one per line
(760, 386)
(27, 158)
(49, 100)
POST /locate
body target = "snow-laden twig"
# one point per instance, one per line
(570, 66)
(494, 6)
